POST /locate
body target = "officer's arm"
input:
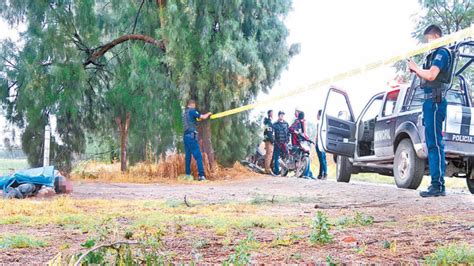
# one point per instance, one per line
(205, 116)
(428, 74)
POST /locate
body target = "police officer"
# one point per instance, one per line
(268, 140)
(281, 133)
(190, 138)
(436, 78)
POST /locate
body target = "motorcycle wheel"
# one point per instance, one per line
(302, 167)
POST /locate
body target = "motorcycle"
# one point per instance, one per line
(256, 161)
(297, 157)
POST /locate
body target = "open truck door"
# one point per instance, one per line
(337, 130)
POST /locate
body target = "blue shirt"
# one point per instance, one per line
(440, 60)
(191, 116)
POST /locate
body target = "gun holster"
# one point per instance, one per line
(437, 95)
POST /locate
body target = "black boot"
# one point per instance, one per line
(433, 192)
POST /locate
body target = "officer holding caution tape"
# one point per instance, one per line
(190, 138)
(435, 77)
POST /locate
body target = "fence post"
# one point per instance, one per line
(47, 141)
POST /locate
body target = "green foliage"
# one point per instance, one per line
(20, 241)
(359, 219)
(320, 230)
(451, 255)
(141, 247)
(451, 16)
(222, 53)
(330, 261)
(241, 255)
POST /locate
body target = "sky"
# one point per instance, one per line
(338, 35)
(334, 35)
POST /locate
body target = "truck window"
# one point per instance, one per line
(390, 103)
(338, 107)
(373, 110)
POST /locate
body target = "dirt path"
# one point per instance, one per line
(326, 194)
(416, 225)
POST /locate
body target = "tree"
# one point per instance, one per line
(70, 67)
(451, 16)
(222, 54)
(100, 65)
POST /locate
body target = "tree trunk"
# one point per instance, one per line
(123, 127)
(205, 135)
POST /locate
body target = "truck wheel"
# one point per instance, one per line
(408, 169)
(470, 184)
(343, 169)
(470, 179)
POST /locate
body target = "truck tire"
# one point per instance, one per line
(470, 179)
(470, 184)
(408, 169)
(343, 169)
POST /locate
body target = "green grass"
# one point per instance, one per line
(451, 255)
(16, 164)
(20, 241)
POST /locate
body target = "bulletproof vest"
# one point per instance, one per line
(188, 121)
(444, 77)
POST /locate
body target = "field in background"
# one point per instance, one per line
(15, 164)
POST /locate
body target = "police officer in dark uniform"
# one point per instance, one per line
(190, 138)
(268, 140)
(280, 129)
(436, 77)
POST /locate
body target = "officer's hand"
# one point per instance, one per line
(412, 65)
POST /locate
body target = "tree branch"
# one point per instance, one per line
(100, 51)
(10, 63)
(136, 17)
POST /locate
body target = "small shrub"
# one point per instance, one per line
(330, 261)
(451, 255)
(363, 219)
(21, 241)
(241, 255)
(359, 219)
(320, 230)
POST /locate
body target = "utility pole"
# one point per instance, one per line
(47, 142)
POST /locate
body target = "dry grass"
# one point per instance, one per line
(168, 169)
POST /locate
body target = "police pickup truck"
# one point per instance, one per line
(388, 136)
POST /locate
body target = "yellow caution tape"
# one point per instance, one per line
(459, 35)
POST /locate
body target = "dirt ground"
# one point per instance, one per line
(416, 225)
